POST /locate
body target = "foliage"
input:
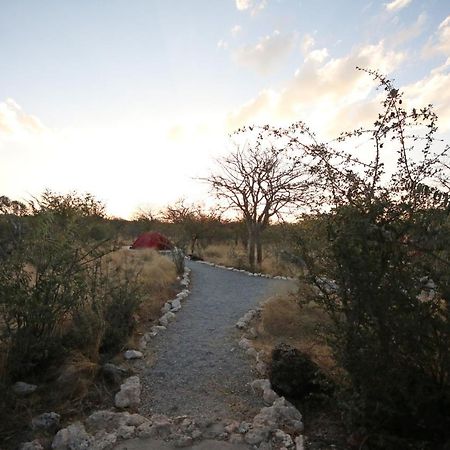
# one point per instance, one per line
(383, 275)
(50, 276)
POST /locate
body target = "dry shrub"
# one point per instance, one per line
(75, 378)
(232, 255)
(284, 320)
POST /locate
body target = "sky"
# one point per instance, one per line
(132, 100)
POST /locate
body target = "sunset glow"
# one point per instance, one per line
(132, 101)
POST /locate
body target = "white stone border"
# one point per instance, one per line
(168, 310)
(270, 397)
(246, 272)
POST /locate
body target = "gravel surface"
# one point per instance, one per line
(199, 370)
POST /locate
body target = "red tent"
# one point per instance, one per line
(152, 239)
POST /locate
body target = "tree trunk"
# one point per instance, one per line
(258, 248)
(251, 245)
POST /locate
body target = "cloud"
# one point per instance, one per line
(14, 121)
(410, 32)
(242, 5)
(254, 6)
(440, 42)
(265, 56)
(321, 90)
(235, 30)
(307, 43)
(222, 44)
(317, 55)
(434, 89)
(396, 5)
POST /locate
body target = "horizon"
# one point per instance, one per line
(131, 103)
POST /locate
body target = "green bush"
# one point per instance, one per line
(382, 273)
(391, 321)
(122, 300)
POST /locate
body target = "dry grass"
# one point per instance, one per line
(283, 320)
(153, 270)
(232, 255)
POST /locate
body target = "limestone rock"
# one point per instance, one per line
(33, 445)
(166, 318)
(183, 441)
(176, 305)
(299, 443)
(135, 420)
(244, 427)
(196, 434)
(129, 394)
(244, 321)
(261, 384)
(126, 431)
(236, 438)
(280, 415)
(104, 440)
(269, 396)
(166, 308)
(283, 438)
(133, 354)
(74, 437)
(46, 421)
(257, 435)
(232, 427)
(145, 430)
(261, 367)
(245, 344)
(160, 426)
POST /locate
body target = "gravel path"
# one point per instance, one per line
(199, 369)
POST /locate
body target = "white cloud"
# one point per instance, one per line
(266, 55)
(434, 89)
(317, 55)
(235, 30)
(307, 43)
(407, 33)
(243, 4)
(440, 42)
(222, 44)
(321, 91)
(14, 121)
(396, 5)
(254, 6)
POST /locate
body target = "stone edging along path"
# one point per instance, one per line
(276, 426)
(250, 274)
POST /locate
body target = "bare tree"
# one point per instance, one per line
(193, 221)
(261, 182)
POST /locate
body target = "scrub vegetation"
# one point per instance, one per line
(368, 241)
(70, 299)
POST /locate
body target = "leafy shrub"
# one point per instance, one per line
(391, 322)
(382, 274)
(49, 277)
